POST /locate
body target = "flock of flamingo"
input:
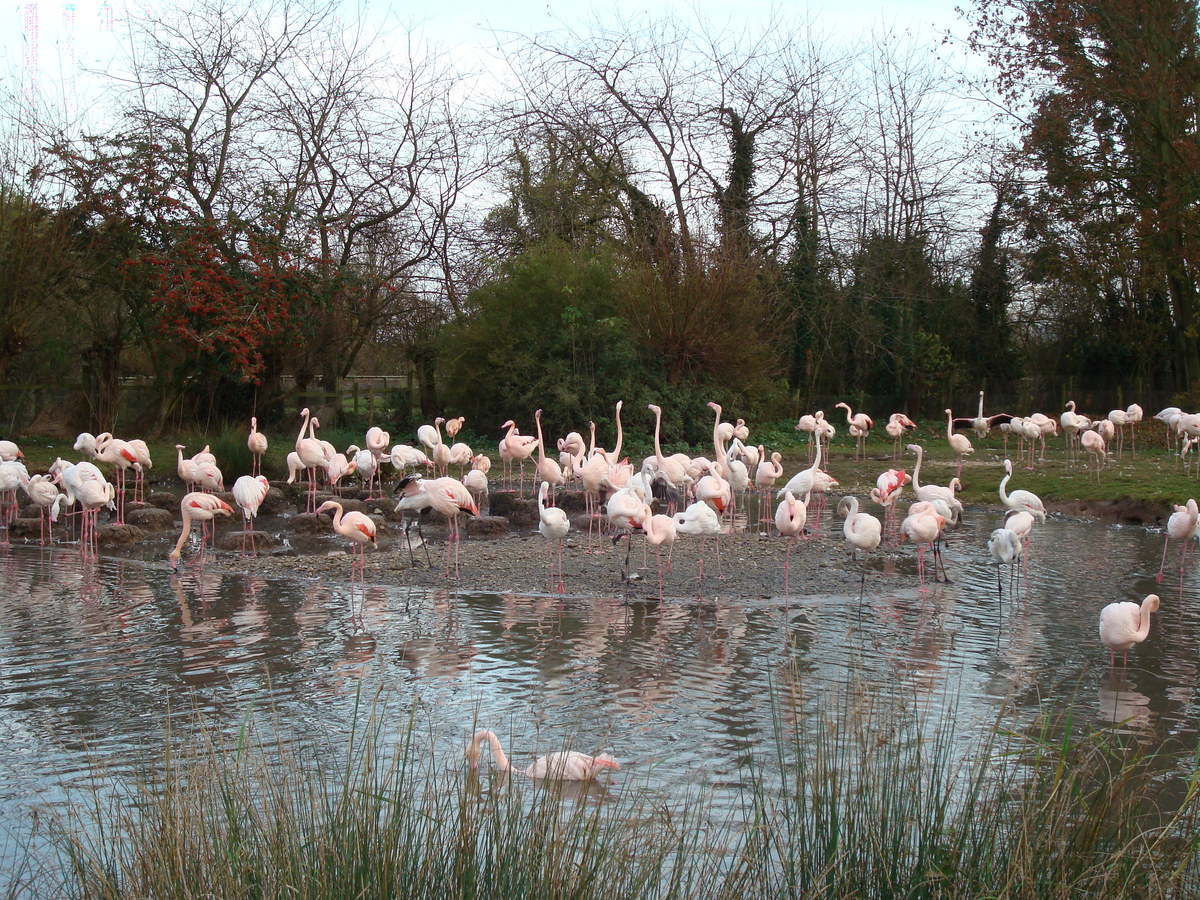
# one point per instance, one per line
(663, 498)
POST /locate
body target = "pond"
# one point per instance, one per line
(103, 662)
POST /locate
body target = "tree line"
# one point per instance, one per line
(660, 209)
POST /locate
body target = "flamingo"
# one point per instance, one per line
(659, 530)
(1181, 524)
(197, 507)
(447, 496)
(669, 467)
(10, 452)
(860, 426)
(413, 498)
(981, 424)
(562, 765)
(377, 441)
(548, 471)
(897, 425)
(519, 448)
(1071, 423)
(1133, 415)
(339, 467)
(311, 455)
(553, 525)
(863, 532)
(1021, 499)
(12, 476)
(1124, 624)
(765, 475)
(476, 480)
(358, 528)
(117, 453)
(44, 494)
(923, 526)
(430, 435)
(454, 426)
(185, 468)
(623, 509)
(929, 492)
(406, 457)
(699, 519)
(1093, 443)
(256, 442)
(808, 424)
(887, 490)
(789, 519)
(958, 442)
(1006, 548)
(209, 477)
(440, 452)
(249, 492)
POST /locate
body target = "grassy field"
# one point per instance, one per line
(1152, 476)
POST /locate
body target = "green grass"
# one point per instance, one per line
(873, 803)
(1151, 476)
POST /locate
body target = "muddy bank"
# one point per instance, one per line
(503, 551)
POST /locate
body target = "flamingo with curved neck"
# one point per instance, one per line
(1124, 624)
(562, 765)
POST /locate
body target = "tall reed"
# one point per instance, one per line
(860, 801)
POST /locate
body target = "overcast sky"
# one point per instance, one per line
(57, 39)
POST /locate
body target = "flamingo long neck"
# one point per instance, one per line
(304, 414)
(949, 424)
(658, 446)
(620, 433)
(1143, 629)
(816, 465)
(849, 416)
(1003, 485)
(537, 421)
(980, 415)
(498, 755)
(183, 535)
(917, 468)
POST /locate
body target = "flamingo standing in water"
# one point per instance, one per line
(1181, 525)
(1018, 500)
(249, 492)
(44, 493)
(197, 507)
(790, 516)
(562, 765)
(888, 487)
(765, 476)
(356, 527)
(1006, 548)
(863, 532)
(256, 442)
(659, 530)
(923, 526)
(1124, 624)
(553, 525)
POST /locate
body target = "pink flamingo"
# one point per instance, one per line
(249, 492)
(790, 516)
(197, 507)
(553, 525)
(1124, 624)
(256, 442)
(359, 529)
(562, 765)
